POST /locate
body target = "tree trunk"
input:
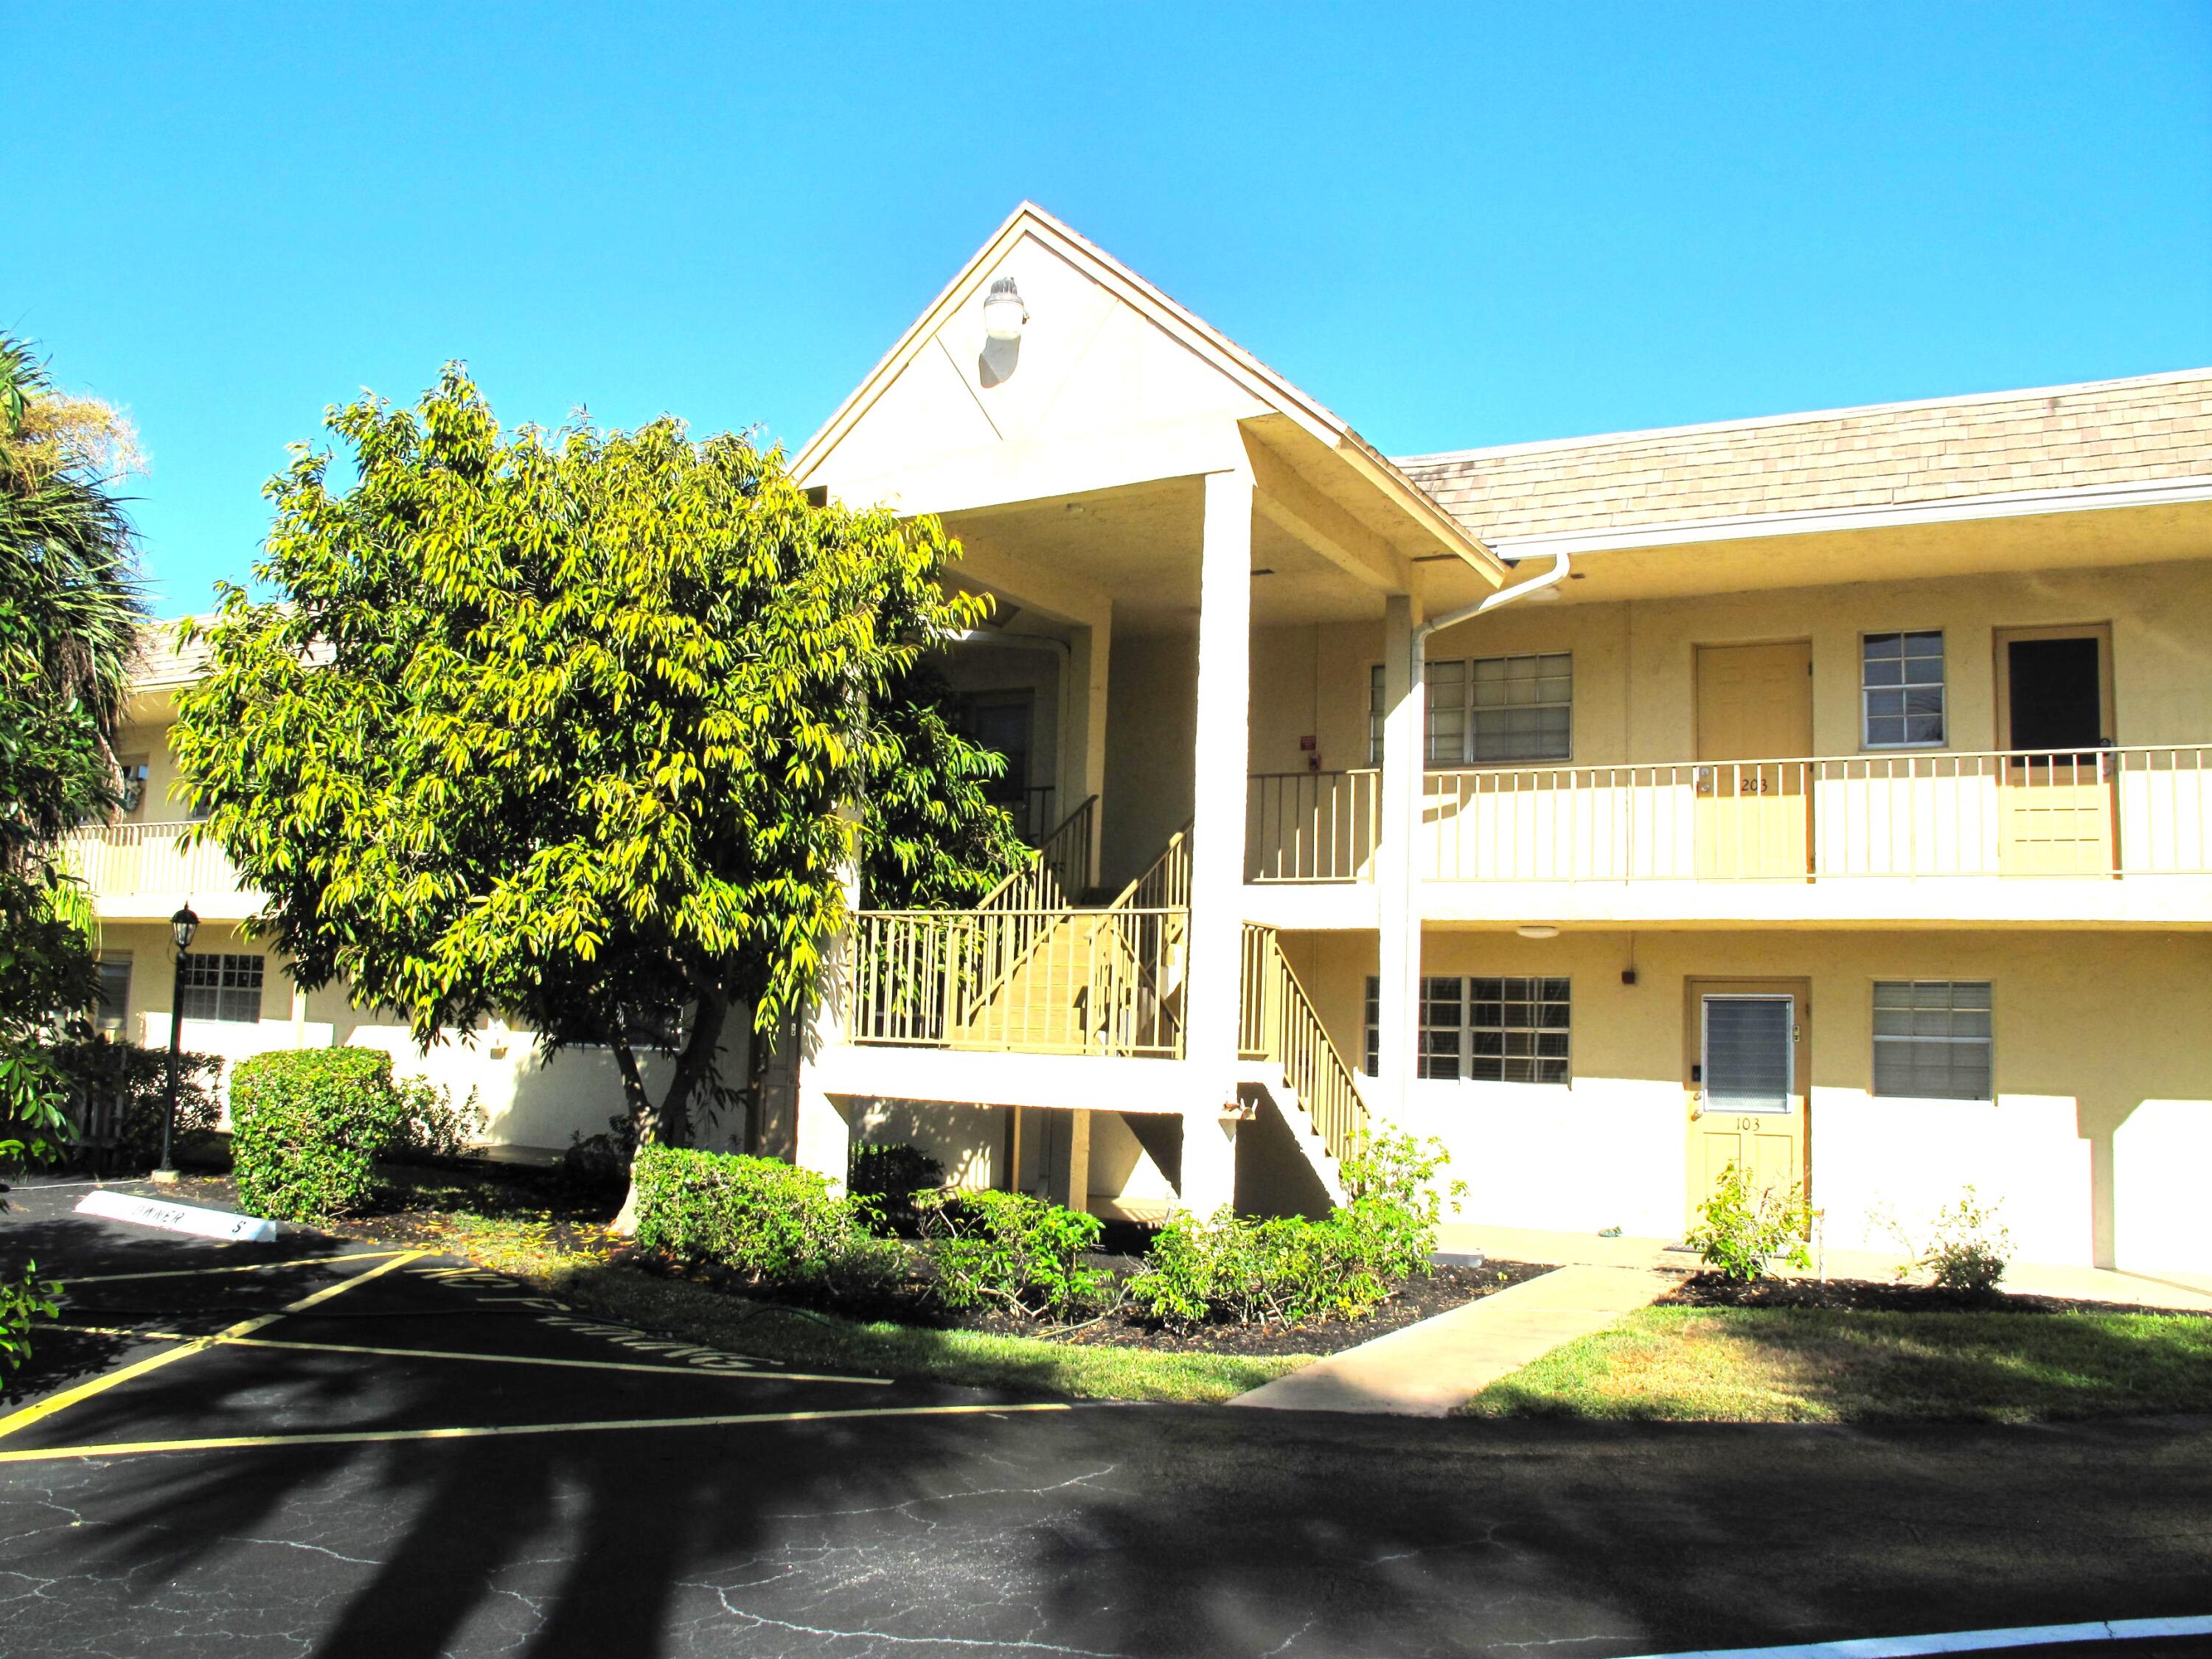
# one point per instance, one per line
(644, 1123)
(695, 1072)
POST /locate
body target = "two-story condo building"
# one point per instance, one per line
(1823, 793)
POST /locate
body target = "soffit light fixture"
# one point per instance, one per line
(1004, 313)
(1538, 930)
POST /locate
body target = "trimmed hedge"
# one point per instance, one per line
(307, 1127)
(769, 1220)
(1232, 1268)
(1021, 1252)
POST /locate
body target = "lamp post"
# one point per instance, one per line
(182, 927)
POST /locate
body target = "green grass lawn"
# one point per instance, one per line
(1818, 1365)
(575, 1270)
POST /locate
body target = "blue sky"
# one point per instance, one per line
(1457, 225)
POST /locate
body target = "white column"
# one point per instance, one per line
(822, 1138)
(1083, 771)
(1397, 890)
(1217, 898)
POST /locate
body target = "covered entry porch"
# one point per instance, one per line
(1140, 498)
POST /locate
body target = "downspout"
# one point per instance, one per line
(1406, 968)
(1504, 596)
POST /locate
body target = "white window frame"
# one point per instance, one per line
(1468, 1029)
(252, 973)
(1942, 688)
(1468, 711)
(1988, 1043)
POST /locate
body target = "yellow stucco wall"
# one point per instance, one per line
(2104, 1082)
(1150, 739)
(527, 1100)
(1634, 661)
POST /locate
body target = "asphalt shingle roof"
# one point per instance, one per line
(2102, 432)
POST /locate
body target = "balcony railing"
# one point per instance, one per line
(1020, 981)
(2105, 812)
(2098, 813)
(1312, 826)
(128, 860)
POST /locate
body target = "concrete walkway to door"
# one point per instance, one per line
(1429, 1368)
(2184, 1292)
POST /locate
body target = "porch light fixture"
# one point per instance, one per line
(1004, 313)
(182, 927)
(1537, 930)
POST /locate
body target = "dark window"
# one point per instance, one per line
(113, 1006)
(1371, 1049)
(2057, 693)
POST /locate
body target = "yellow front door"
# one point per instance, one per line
(1749, 1066)
(1754, 730)
(2054, 719)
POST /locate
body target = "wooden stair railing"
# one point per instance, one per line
(1277, 1024)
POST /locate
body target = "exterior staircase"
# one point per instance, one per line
(1031, 970)
(1285, 1050)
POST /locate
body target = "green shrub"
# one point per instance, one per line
(1287, 1270)
(307, 1127)
(431, 1125)
(889, 1176)
(602, 1159)
(1744, 1228)
(769, 1220)
(1019, 1253)
(1966, 1249)
(1290, 1270)
(122, 1084)
(24, 1297)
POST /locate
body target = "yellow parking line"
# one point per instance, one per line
(486, 1358)
(367, 1437)
(68, 1397)
(243, 1267)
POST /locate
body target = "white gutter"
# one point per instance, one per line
(1503, 596)
(1828, 521)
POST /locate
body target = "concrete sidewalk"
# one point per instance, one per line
(2183, 1293)
(1428, 1368)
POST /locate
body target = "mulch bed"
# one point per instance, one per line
(574, 1217)
(1874, 1296)
(1420, 1298)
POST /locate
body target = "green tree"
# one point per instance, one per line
(71, 616)
(559, 726)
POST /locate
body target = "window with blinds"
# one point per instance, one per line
(1495, 1031)
(1484, 710)
(1933, 1039)
(222, 987)
(1750, 1052)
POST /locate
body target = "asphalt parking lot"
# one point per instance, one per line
(396, 1455)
